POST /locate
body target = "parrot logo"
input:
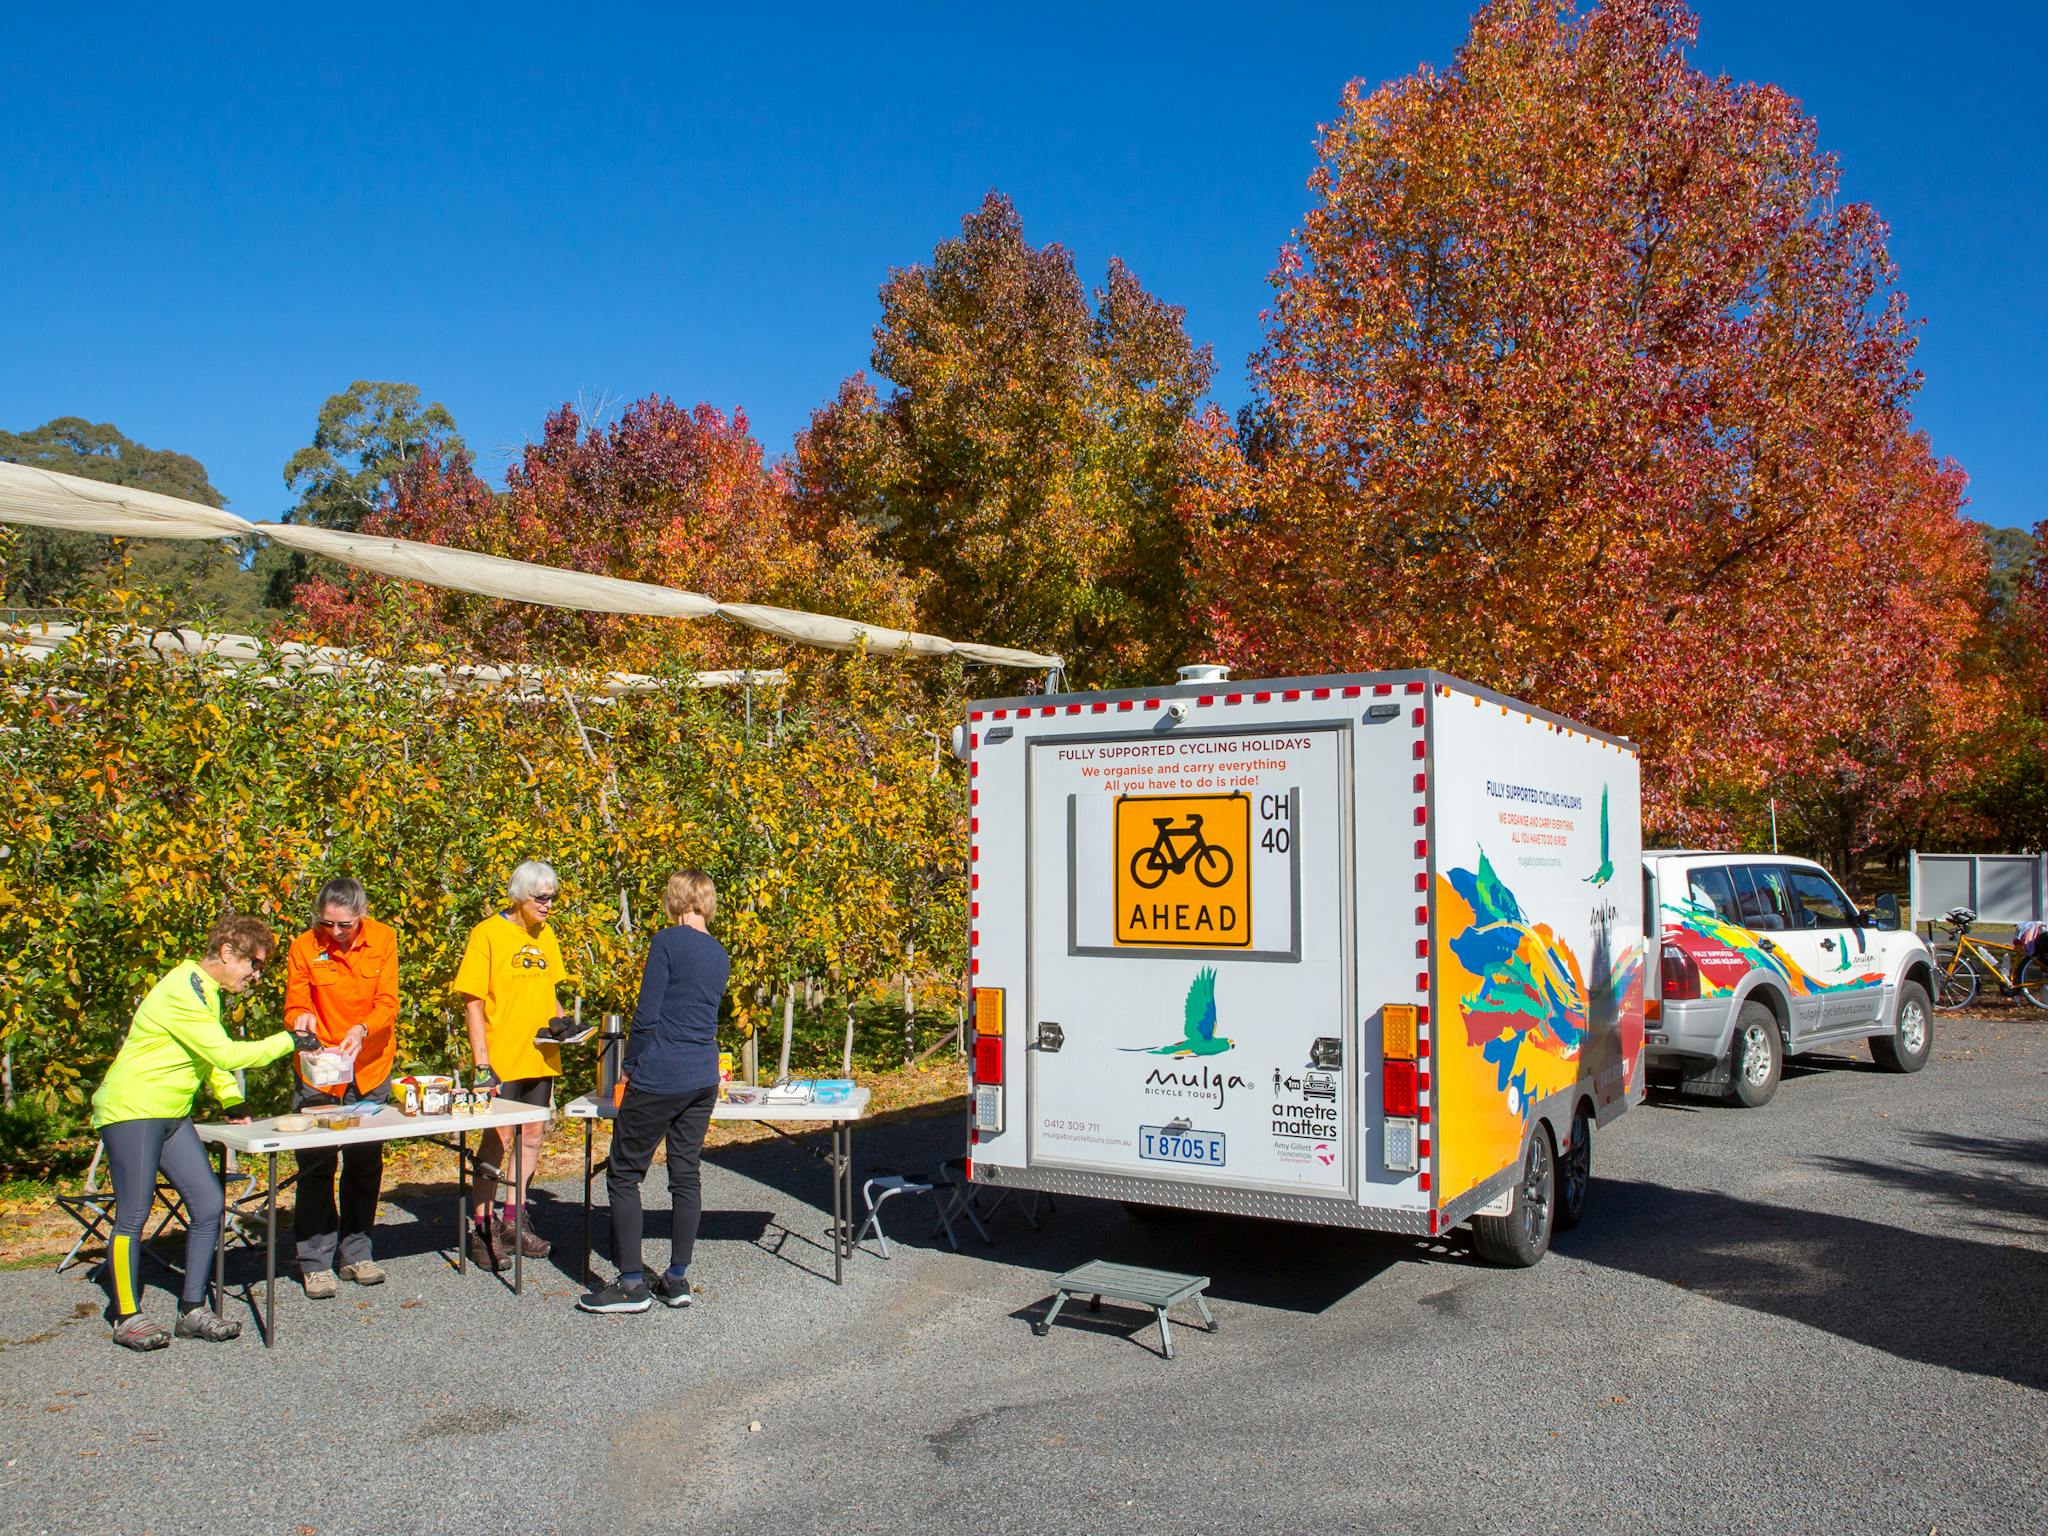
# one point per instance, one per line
(1605, 872)
(1199, 1023)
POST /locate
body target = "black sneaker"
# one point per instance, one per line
(672, 1293)
(563, 1030)
(617, 1298)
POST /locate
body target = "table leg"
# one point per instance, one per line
(220, 1247)
(518, 1210)
(462, 1202)
(270, 1258)
(589, 1133)
(842, 1200)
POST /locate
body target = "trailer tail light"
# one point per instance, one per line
(988, 1059)
(1401, 1145)
(988, 1110)
(1397, 1032)
(1397, 1089)
(988, 1010)
(1678, 977)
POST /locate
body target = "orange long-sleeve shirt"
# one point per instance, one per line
(344, 988)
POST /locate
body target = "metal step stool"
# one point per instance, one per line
(1154, 1288)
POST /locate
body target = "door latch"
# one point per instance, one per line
(1327, 1053)
(1050, 1036)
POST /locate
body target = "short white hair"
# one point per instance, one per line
(530, 879)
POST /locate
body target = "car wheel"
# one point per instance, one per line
(1906, 1048)
(1521, 1237)
(1575, 1173)
(1759, 1056)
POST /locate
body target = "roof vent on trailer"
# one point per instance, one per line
(1204, 672)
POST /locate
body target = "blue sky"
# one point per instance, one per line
(216, 218)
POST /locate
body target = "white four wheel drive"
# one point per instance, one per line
(1365, 951)
(1759, 957)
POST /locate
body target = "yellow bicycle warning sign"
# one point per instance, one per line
(1184, 871)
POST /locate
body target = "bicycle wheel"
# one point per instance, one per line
(1955, 978)
(1213, 866)
(1149, 868)
(2033, 981)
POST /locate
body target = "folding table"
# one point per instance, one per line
(841, 1117)
(386, 1124)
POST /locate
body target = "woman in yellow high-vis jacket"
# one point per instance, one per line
(143, 1112)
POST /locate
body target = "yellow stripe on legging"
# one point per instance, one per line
(124, 1284)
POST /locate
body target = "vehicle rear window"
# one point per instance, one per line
(1761, 897)
(1821, 902)
(1712, 888)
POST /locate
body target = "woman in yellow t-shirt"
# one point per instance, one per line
(517, 1029)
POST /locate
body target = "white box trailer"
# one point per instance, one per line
(1364, 951)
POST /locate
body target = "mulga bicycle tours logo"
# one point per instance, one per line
(1207, 1084)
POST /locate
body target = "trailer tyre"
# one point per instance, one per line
(1575, 1173)
(1521, 1237)
(1906, 1048)
(1759, 1056)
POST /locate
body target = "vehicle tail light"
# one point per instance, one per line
(1397, 1092)
(988, 1060)
(1401, 1147)
(1678, 976)
(1397, 1032)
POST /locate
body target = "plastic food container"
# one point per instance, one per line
(295, 1122)
(328, 1068)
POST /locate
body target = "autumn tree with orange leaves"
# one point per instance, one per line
(1025, 460)
(681, 497)
(1581, 381)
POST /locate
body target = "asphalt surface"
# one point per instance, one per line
(1826, 1315)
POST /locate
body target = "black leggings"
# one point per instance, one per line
(136, 1151)
(645, 1120)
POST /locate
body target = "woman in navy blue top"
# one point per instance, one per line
(671, 1072)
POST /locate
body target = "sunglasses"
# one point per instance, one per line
(547, 900)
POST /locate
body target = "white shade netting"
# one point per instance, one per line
(47, 499)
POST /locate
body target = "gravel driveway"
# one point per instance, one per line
(1824, 1315)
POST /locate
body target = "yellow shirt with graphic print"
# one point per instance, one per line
(514, 974)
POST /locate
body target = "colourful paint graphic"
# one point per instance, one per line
(1726, 952)
(1198, 1016)
(1522, 1019)
(1605, 872)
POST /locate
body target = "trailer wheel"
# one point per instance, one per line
(1906, 1048)
(1759, 1056)
(1575, 1173)
(1521, 1237)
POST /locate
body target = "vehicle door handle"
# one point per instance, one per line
(1827, 943)
(1050, 1036)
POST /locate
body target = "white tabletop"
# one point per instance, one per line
(852, 1107)
(387, 1124)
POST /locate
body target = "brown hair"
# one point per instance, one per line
(691, 891)
(250, 935)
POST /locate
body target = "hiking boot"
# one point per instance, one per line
(485, 1249)
(199, 1323)
(563, 1030)
(672, 1293)
(531, 1244)
(319, 1283)
(137, 1332)
(617, 1298)
(364, 1272)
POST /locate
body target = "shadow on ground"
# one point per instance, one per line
(1941, 1299)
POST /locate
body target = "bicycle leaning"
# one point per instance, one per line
(1962, 963)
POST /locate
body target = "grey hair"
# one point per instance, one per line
(530, 879)
(345, 892)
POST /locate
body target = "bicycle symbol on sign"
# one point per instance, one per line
(1150, 866)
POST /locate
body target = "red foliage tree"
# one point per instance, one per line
(681, 498)
(1582, 382)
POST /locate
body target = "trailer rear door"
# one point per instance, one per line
(1190, 992)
